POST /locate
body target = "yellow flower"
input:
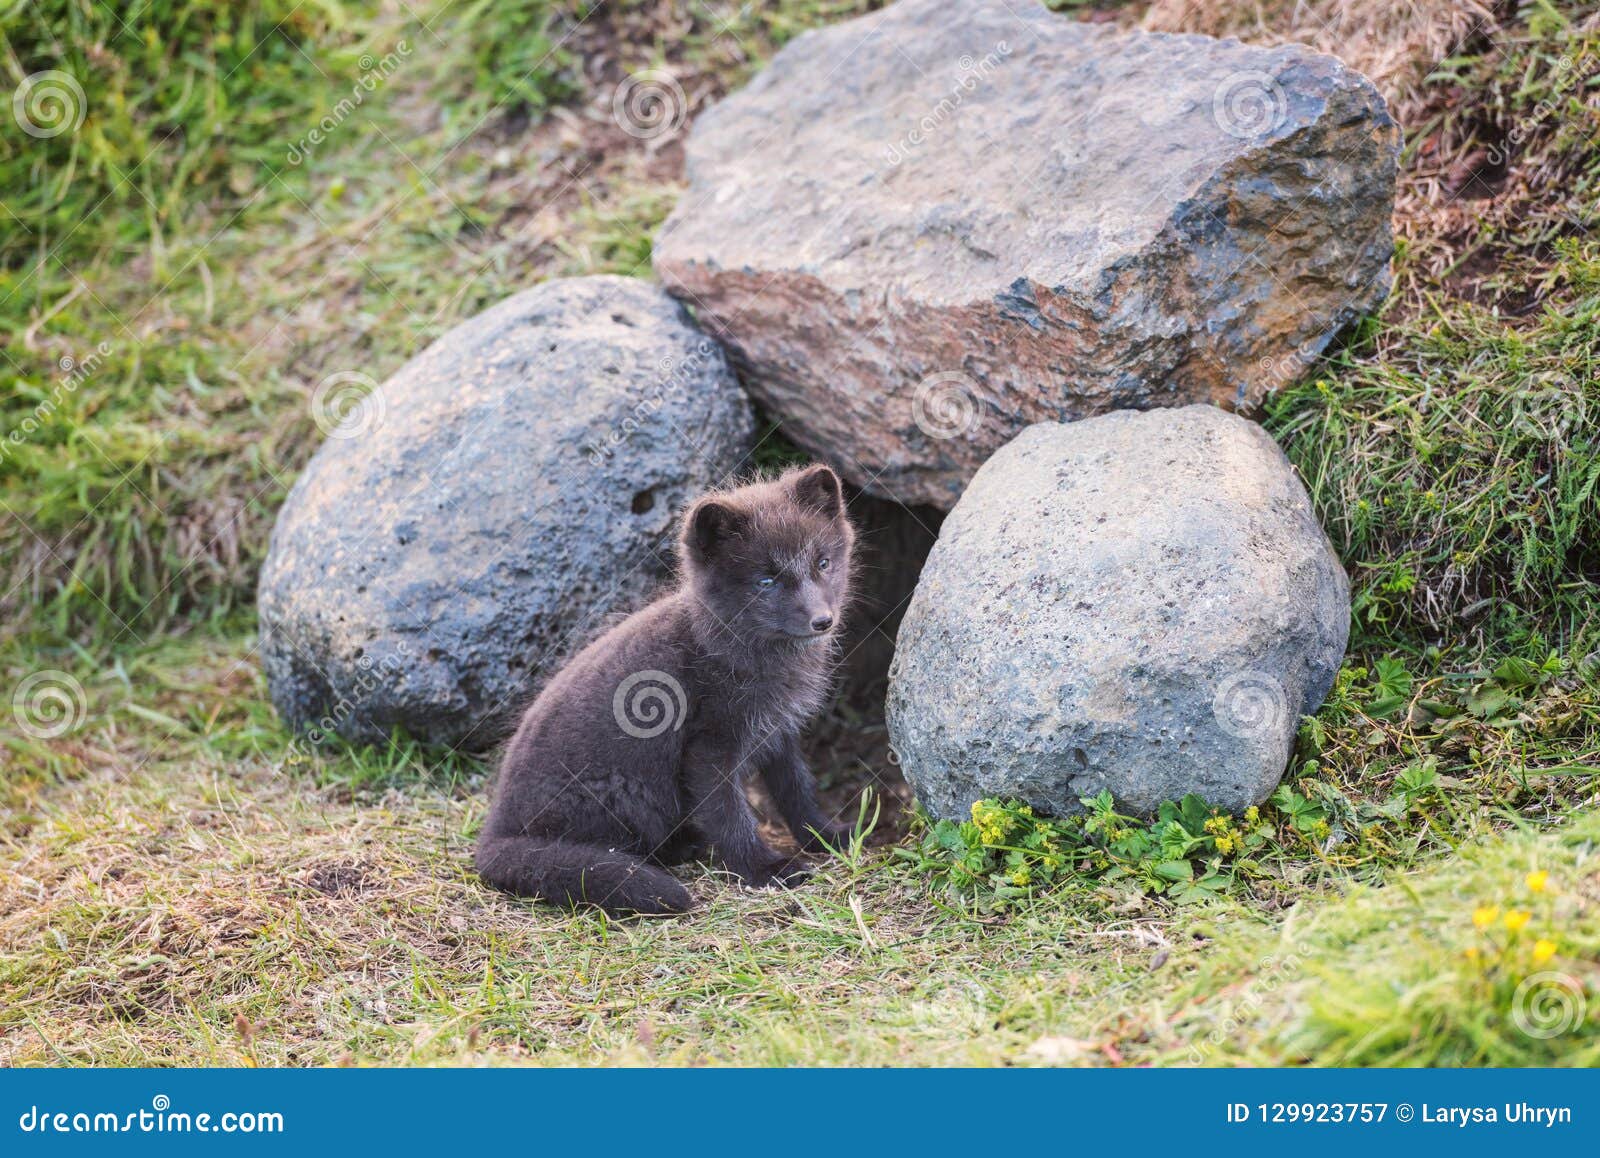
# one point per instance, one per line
(1471, 953)
(1020, 877)
(1537, 881)
(1224, 844)
(1543, 950)
(1485, 915)
(1517, 918)
(1252, 814)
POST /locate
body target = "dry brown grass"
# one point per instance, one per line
(1483, 191)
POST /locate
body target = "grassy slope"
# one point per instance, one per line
(178, 884)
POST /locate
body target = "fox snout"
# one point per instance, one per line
(815, 609)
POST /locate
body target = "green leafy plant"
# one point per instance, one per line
(1189, 851)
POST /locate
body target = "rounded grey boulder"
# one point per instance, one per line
(1142, 601)
(466, 524)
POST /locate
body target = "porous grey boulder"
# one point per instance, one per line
(924, 229)
(474, 517)
(1142, 601)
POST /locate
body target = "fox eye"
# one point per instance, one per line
(822, 563)
(765, 581)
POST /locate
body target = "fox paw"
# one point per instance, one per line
(785, 873)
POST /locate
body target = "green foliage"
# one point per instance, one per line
(1458, 477)
(516, 65)
(1453, 450)
(169, 98)
(223, 174)
(1006, 853)
(1395, 765)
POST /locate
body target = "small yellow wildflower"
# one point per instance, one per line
(1543, 950)
(1471, 953)
(1537, 881)
(1224, 844)
(1020, 877)
(1485, 915)
(1252, 814)
(1517, 918)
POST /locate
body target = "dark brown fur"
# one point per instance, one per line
(613, 774)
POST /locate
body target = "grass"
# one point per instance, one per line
(181, 881)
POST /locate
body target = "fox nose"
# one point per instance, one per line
(822, 623)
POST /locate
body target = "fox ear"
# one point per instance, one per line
(711, 524)
(817, 487)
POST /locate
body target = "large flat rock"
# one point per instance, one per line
(471, 523)
(924, 229)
